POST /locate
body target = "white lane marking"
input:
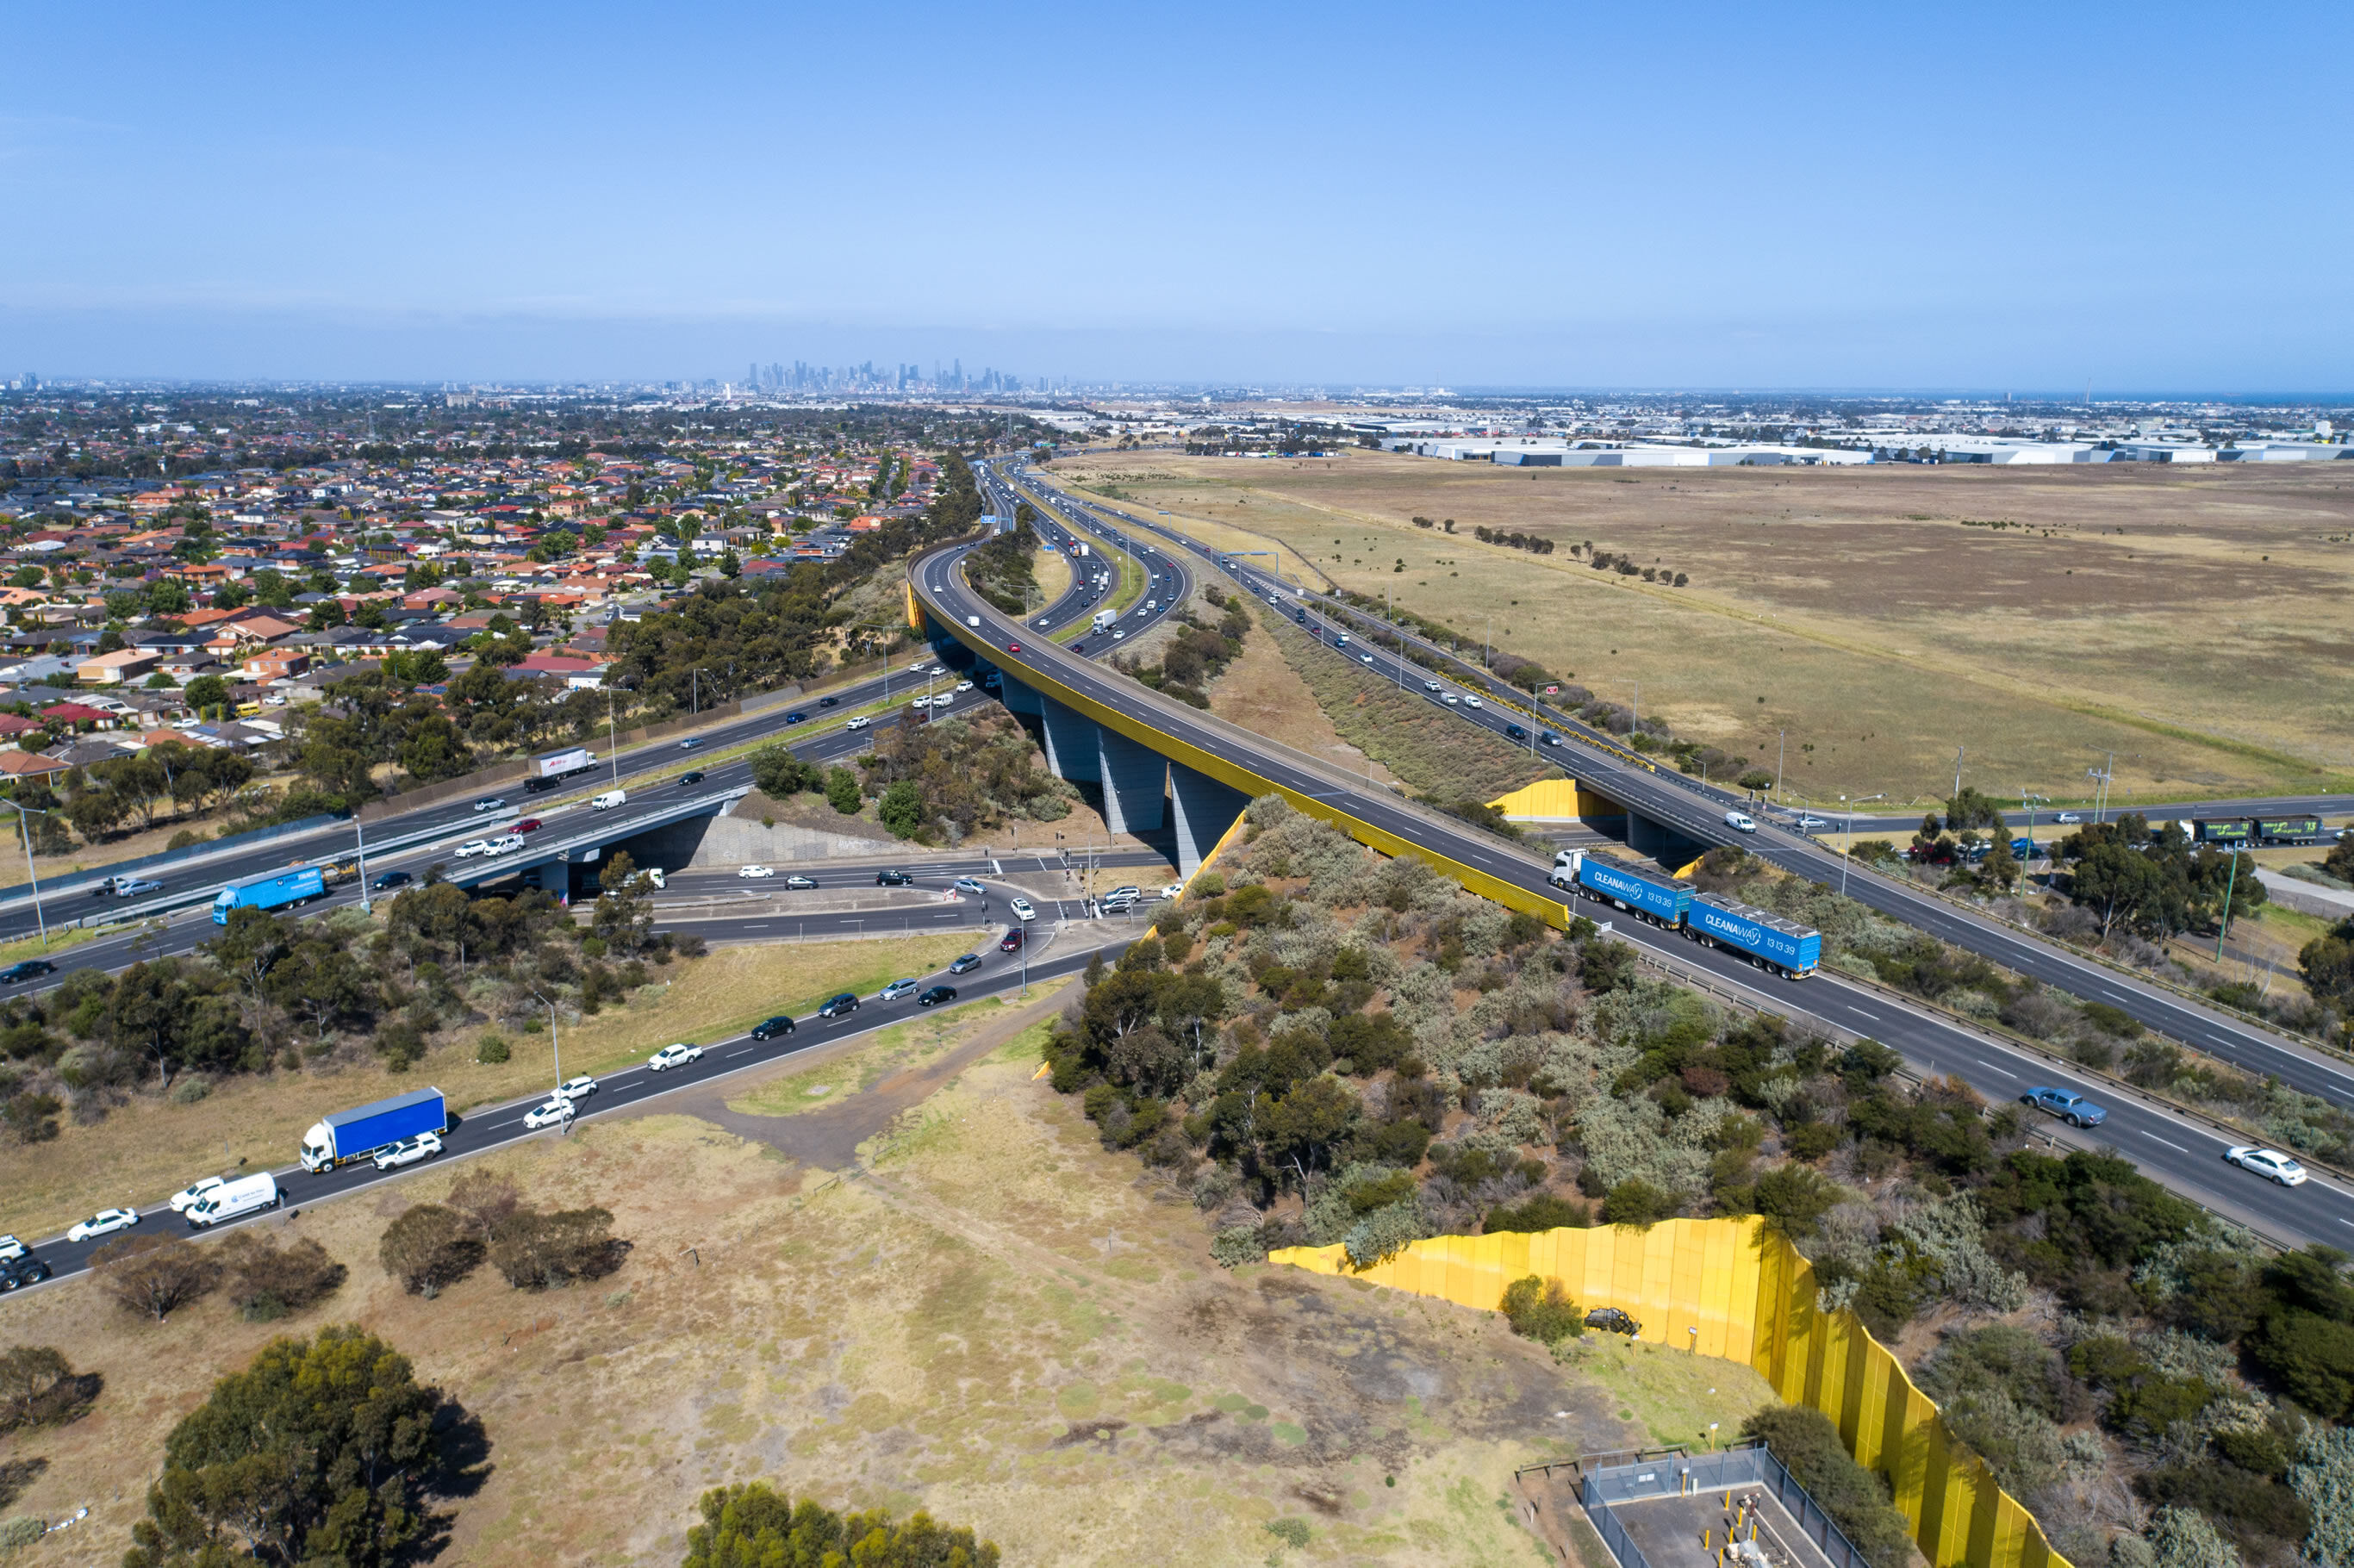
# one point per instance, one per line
(2168, 1142)
(1852, 1008)
(1991, 1067)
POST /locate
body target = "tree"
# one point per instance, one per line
(777, 773)
(2120, 884)
(1540, 1309)
(267, 1281)
(155, 1274)
(38, 1388)
(902, 808)
(842, 791)
(1808, 1445)
(1310, 1120)
(2327, 964)
(2323, 1479)
(316, 1454)
(624, 914)
(428, 1248)
(757, 1526)
(538, 1251)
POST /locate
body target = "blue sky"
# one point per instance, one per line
(2028, 197)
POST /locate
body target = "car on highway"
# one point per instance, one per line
(964, 686)
(130, 888)
(800, 883)
(669, 1056)
(2068, 819)
(920, 703)
(1449, 698)
(1171, 890)
(188, 1194)
(894, 879)
(1515, 732)
(472, 848)
(690, 778)
(1430, 686)
(17, 1275)
(964, 963)
(489, 803)
(797, 716)
(1022, 911)
(1118, 635)
(1549, 738)
(937, 670)
(550, 1113)
(1472, 702)
(2269, 1163)
(29, 970)
(755, 871)
(1040, 623)
(690, 743)
(104, 1222)
(1364, 658)
(1014, 648)
(840, 1005)
(828, 702)
(579, 1089)
(1611, 1321)
(769, 1028)
(2072, 1108)
(968, 884)
(527, 825)
(1130, 894)
(895, 989)
(506, 843)
(1806, 823)
(932, 996)
(1013, 942)
(12, 1249)
(1741, 822)
(408, 1152)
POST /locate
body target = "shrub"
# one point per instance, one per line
(1808, 1445)
(429, 1248)
(154, 1275)
(267, 1281)
(38, 1388)
(1538, 1211)
(490, 1050)
(537, 1250)
(757, 1526)
(1540, 1309)
(1636, 1202)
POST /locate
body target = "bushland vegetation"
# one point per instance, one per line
(1322, 1046)
(1197, 653)
(755, 1525)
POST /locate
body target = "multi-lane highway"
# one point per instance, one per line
(1697, 812)
(2182, 1151)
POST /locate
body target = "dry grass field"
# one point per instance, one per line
(2196, 621)
(989, 1317)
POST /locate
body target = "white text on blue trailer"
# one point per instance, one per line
(1766, 940)
(277, 890)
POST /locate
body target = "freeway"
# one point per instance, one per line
(630, 1088)
(1696, 812)
(2182, 1152)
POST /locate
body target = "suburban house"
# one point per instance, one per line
(113, 669)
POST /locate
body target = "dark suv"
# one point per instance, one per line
(838, 1006)
(769, 1028)
(30, 970)
(894, 879)
(1611, 1321)
(1013, 943)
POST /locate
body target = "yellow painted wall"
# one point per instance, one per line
(1556, 800)
(1751, 1297)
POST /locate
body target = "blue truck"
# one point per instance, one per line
(1790, 949)
(345, 1136)
(277, 890)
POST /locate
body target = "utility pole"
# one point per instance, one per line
(613, 736)
(1781, 755)
(1957, 768)
(2229, 883)
(359, 834)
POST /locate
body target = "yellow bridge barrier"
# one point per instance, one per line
(1736, 1289)
(1556, 800)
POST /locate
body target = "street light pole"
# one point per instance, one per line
(26, 829)
(359, 835)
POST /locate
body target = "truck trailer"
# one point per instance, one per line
(345, 1136)
(1790, 949)
(276, 891)
(1104, 618)
(550, 766)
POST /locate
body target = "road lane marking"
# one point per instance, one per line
(1852, 1008)
(1991, 1067)
(2168, 1142)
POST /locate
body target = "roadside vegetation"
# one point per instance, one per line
(1322, 1047)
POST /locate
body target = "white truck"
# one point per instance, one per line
(608, 800)
(1104, 618)
(231, 1199)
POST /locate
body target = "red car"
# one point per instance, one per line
(1013, 943)
(528, 825)
(1014, 648)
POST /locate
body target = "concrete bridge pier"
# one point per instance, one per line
(1135, 780)
(1206, 808)
(1021, 699)
(1074, 747)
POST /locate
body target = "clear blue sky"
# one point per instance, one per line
(2031, 197)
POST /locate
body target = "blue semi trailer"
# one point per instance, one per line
(345, 1136)
(1790, 949)
(273, 892)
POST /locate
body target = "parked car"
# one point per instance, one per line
(408, 1152)
(188, 1194)
(934, 995)
(800, 883)
(29, 969)
(690, 743)
(1611, 1321)
(104, 1222)
(551, 1113)
(2072, 1108)
(669, 1056)
(1013, 943)
(858, 722)
(840, 1005)
(690, 778)
(894, 879)
(769, 1028)
(2269, 1163)
(964, 963)
(1741, 822)
(579, 1089)
(895, 989)
(1021, 910)
(970, 885)
(23, 1271)
(756, 871)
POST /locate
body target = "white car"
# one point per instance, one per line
(192, 1191)
(964, 686)
(104, 1222)
(944, 699)
(506, 845)
(579, 1089)
(1808, 822)
(1021, 910)
(472, 848)
(938, 670)
(1450, 699)
(2069, 819)
(2269, 1163)
(11, 1249)
(920, 703)
(408, 1152)
(756, 871)
(549, 1115)
(1173, 890)
(895, 989)
(1131, 892)
(1430, 686)
(1473, 702)
(1741, 822)
(861, 722)
(1117, 635)
(677, 1056)
(1364, 658)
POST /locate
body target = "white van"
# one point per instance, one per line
(232, 1199)
(608, 800)
(972, 621)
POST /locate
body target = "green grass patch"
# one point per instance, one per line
(1674, 1394)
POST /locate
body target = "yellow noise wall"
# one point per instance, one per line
(1556, 800)
(1750, 1298)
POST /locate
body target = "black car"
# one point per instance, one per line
(688, 780)
(1611, 1321)
(1550, 738)
(797, 716)
(827, 702)
(839, 1006)
(30, 970)
(894, 879)
(1516, 732)
(22, 1272)
(964, 963)
(935, 995)
(394, 879)
(769, 1028)
(1013, 943)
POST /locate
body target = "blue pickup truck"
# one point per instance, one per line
(2072, 1108)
